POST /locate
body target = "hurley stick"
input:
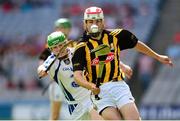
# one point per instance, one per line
(101, 50)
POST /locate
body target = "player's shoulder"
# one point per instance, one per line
(73, 43)
(114, 32)
(80, 45)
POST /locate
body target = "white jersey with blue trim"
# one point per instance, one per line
(62, 72)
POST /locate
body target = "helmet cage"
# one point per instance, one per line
(93, 13)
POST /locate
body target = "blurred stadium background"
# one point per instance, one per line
(24, 25)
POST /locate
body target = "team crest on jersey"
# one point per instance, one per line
(74, 84)
(67, 61)
(110, 57)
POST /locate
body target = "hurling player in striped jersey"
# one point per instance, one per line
(115, 99)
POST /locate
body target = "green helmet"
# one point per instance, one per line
(55, 38)
(62, 23)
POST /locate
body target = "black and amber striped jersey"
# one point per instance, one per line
(117, 40)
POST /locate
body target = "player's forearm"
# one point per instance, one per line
(78, 75)
(141, 47)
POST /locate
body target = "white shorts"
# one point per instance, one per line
(82, 110)
(76, 115)
(70, 111)
(113, 94)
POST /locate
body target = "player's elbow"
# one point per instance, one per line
(41, 71)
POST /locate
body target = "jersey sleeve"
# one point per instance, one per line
(44, 54)
(78, 59)
(126, 40)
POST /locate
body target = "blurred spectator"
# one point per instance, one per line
(126, 14)
(7, 6)
(21, 85)
(75, 9)
(177, 38)
(24, 7)
(145, 66)
(10, 85)
(144, 9)
(174, 51)
(110, 22)
(64, 11)
(109, 8)
(75, 32)
(18, 64)
(4, 82)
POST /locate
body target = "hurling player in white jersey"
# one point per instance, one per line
(59, 107)
(61, 71)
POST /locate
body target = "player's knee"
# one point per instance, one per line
(132, 117)
(111, 113)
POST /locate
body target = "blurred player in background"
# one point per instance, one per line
(116, 100)
(64, 25)
(59, 107)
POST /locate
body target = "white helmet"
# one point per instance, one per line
(93, 13)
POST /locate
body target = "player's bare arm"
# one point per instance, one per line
(141, 47)
(78, 75)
